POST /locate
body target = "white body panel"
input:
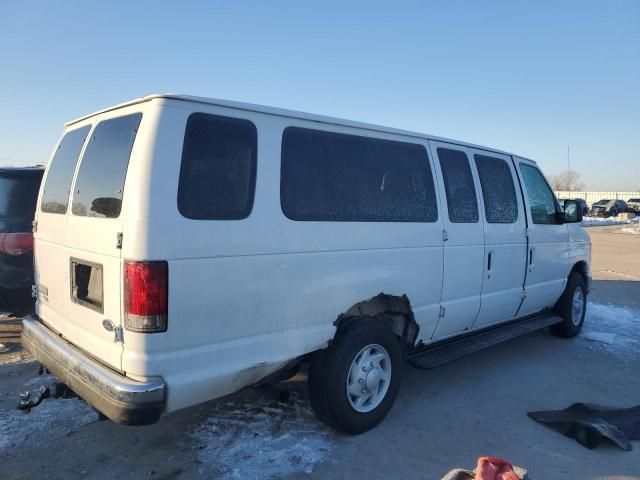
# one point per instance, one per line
(247, 296)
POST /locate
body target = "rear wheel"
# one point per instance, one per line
(354, 382)
(572, 307)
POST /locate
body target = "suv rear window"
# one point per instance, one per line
(100, 182)
(18, 195)
(55, 196)
(218, 169)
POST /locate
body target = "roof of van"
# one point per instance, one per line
(287, 113)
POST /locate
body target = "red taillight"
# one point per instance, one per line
(16, 243)
(146, 292)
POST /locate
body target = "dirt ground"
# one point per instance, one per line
(443, 418)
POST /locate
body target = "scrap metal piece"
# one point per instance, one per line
(28, 401)
(588, 424)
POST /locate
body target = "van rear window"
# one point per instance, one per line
(218, 169)
(335, 177)
(55, 196)
(100, 182)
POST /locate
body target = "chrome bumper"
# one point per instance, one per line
(121, 399)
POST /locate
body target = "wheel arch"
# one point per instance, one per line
(395, 309)
(582, 268)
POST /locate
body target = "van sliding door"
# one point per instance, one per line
(505, 242)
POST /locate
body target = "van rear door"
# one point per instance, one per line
(78, 235)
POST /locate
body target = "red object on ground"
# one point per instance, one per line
(16, 243)
(493, 468)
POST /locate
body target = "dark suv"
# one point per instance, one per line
(18, 195)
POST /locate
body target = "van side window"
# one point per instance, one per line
(103, 168)
(218, 170)
(55, 196)
(458, 184)
(542, 202)
(498, 191)
(329, 176)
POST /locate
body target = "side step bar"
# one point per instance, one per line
(439, 353)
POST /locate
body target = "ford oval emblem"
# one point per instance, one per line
(108, 325)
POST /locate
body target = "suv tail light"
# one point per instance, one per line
(16, 243)
(146, 292)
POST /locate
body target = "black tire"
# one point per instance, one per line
(570, 326)
(329, 370)
(614, 213)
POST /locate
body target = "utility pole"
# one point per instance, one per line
(569, 169)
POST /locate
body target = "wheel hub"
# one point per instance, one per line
(372, 378)
(369, 378)
(577, 306)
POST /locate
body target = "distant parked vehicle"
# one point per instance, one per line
(583, 206)
(18, 195)
(608, 208)
(634, 204)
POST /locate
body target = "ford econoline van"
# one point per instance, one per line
(188, 247)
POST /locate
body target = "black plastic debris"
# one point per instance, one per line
(29, 400)
(588, 424)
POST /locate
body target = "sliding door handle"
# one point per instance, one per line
(531, 250)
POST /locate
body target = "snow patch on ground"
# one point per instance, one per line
(601, 221)
(615, 329)
(262, 440)
(51, 419)
(635, 230)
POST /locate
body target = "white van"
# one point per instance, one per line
(188, 247)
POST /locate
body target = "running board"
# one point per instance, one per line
(439, 353)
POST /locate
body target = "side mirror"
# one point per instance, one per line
(572, 214)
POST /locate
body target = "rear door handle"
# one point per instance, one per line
(531, 250)
(489, 260)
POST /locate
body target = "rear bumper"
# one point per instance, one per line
(121, 399)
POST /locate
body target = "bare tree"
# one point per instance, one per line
(566, 181)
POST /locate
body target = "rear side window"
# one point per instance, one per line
(218, 169)
(458, 185)
(55, 196)
(498, 191)
(328, 176)
(100, 182)
(542, 203)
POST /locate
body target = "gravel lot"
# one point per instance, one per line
(443, 418)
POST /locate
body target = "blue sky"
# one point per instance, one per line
(528, 77)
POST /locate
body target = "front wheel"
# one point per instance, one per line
(572, 307)
(354, 382)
